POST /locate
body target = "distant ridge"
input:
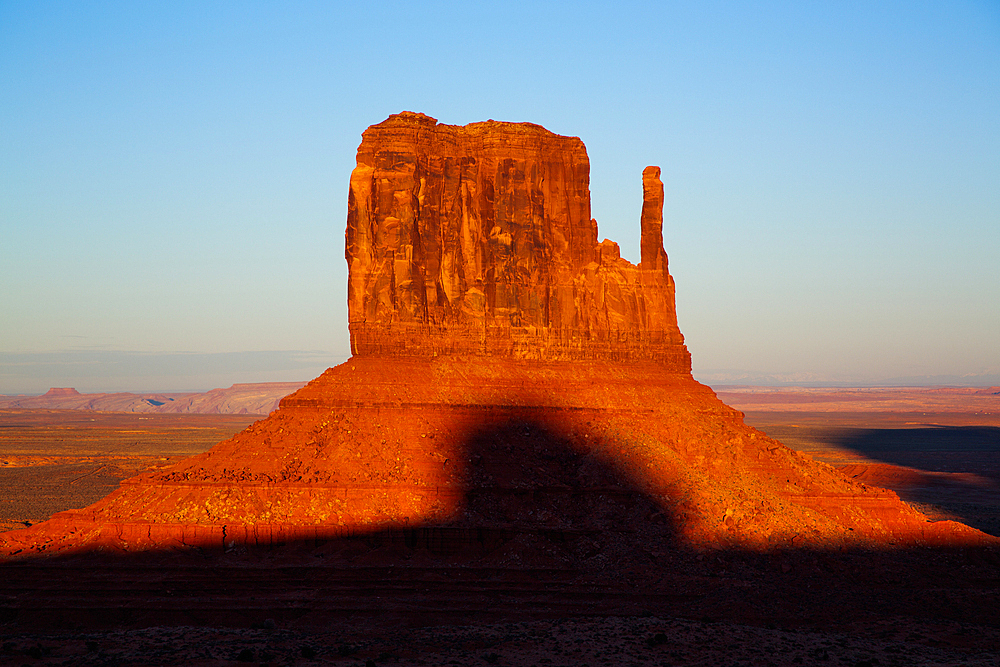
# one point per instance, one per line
(981, 400)
(260, 398)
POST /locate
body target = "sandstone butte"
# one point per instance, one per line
(512, 380)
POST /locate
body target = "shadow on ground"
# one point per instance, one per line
(945, 471)
(885, 441)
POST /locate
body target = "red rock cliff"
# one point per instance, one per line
(479, 240)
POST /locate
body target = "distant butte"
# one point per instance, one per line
(61, 392)
(516, 385)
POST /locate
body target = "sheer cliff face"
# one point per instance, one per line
(478, 240)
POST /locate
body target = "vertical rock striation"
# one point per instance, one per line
(478, 240)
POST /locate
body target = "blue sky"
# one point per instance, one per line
(173, 176)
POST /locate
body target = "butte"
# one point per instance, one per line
(517, 392)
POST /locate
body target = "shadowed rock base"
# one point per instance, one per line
(548, 492)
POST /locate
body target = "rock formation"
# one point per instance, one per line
(61, 392)
(478, 240)
(514, 382)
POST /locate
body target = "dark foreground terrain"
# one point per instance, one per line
(411, 598)
(607, 640)
(397, 599)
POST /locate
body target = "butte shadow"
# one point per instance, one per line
(946, 470)
(951, 470)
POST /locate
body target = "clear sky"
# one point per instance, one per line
(173, 175)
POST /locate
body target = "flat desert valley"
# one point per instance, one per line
(53, 460)
(938, 448)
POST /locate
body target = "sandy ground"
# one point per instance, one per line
(983, 402)
(603, 641)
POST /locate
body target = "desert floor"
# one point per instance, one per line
(855, 609)
(53, 460)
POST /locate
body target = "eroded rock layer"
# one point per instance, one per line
(479, 240)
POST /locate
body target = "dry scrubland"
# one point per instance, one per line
(53, 460)
(578, 642)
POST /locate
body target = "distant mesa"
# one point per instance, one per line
(249, 398)
(59, 392)
(514, 382)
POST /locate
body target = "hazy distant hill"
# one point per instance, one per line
(259, 398)
(982, 400)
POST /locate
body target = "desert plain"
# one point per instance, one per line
(53, 460)
(938, 448)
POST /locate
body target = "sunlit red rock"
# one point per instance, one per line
(478, 240)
